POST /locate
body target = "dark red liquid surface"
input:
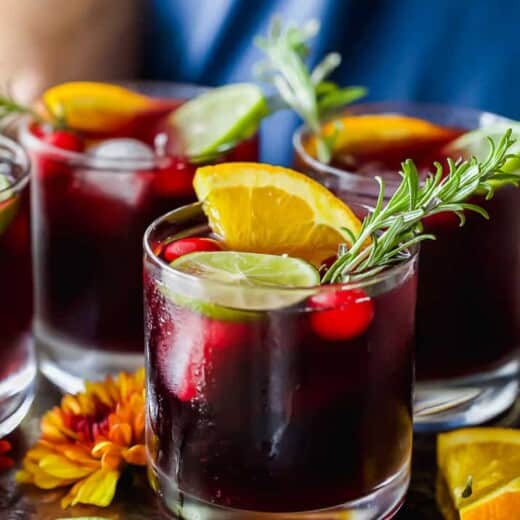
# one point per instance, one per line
(15, 283)
(468, 307)
(89, 225)
(282, 419)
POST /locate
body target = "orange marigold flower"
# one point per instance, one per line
(87, 440)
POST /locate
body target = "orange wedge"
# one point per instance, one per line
(373, 132)
(95, 107)
(270, 209)
(481, 469)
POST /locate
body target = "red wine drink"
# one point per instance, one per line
(18, 368)
(468, 306)
(94, 193)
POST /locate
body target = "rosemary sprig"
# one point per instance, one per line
(391, 229)
(305, 91)
(10, 107)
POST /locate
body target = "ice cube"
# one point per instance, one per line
(122, 153)
(120, 172)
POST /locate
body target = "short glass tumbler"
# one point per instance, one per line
(18, 367)
(252, 414)
(468, 302)
(89, 215)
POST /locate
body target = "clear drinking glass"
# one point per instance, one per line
(18, 367)
(468, 303)
(89, 216)
(252, 414)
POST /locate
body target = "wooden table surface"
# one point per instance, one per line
(135, 501)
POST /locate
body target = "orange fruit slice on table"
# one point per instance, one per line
(481, 469)
(96, 107)
(372, 132)
(270, 209)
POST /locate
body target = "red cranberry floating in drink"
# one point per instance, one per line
(183, 246)
(64, 140)
(342, 314)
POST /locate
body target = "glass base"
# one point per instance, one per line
(17, 390)
(466, 401)
(383, 503)
(68, 364)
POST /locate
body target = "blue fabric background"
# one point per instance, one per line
(464, 52)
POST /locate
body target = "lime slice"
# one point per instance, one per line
(8, 204)
(221, 116)
(475, 143)
(241, 281)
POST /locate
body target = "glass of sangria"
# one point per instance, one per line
(468, 304)
(96, 186)
(267, 393)
(18, 370)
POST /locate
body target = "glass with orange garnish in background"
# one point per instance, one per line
(18, 367)
(468, 307)
(107, 160)
(271, 377)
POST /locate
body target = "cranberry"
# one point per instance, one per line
(65, 140)
(37, 129)
(54, 169)
(341, 314)
(184, 246)
(176, 180)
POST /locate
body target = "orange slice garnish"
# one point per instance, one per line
(373, 132)
(95, 107)
(270, 209)
(481, 469)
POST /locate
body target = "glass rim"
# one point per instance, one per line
(196, 208)
(84, 159)
(374, 107)
(20, 158)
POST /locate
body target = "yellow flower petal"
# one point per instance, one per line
(98, 489)
(51, 432)
(61, 467)
(24, 477)
(53, 428)
(80, 455)
(111, 459)
(101, 448)
(121, 434)
(139, 423)
(110, 454)
(70, 404)
(38, 452)
(135, 455)
(39, 477)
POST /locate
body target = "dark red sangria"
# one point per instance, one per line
(118, 160)
(279, 340)
(18, 368)
(468, 305)
(267, 392)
